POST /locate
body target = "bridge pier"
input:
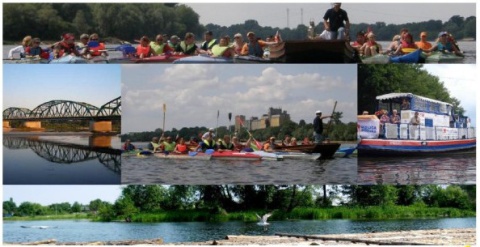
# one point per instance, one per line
(100, 141)
(101, 126)
(6, 124)
(32, 124)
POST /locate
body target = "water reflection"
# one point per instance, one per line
(58, 159)
(451, 169)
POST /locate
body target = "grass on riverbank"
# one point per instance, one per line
(76, 216)
(354, 213)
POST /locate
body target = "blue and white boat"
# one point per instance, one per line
(440, 129)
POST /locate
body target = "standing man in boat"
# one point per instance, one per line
(318, 126)
(333, 21)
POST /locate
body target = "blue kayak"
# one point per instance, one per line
(69, 59)
(203, 59)
(413, 57)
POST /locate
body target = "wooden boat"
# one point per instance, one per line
(326, 150)
(314, 51)
(440, 130)
(232, 155)
(203, 59)
(442, 57)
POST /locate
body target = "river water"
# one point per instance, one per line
(469, 48)
(152, 170)
(84, 231)
(439, 169)
(61, 159)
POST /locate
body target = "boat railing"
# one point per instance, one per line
(421, 132)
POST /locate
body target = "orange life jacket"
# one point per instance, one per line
(95, 51)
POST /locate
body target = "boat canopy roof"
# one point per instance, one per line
(409, 95)
(418, 103)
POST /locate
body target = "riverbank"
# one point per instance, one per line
(449, 237)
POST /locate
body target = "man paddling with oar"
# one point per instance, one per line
(318, 127)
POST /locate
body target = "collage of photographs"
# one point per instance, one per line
(321, 124)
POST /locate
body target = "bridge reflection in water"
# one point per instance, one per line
(66, 153)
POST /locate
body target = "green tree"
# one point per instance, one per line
(125, 207)
(31, 209)
(9, 207)
(76, 207)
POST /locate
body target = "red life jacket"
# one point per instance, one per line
(145, 50)
(95, 51)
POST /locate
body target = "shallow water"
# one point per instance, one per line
(82, 231)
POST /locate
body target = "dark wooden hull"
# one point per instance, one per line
(327, 150)
(314, 51)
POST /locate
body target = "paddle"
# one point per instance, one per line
(216, 127)
(331, 117)
(230, 123)
(164, 111)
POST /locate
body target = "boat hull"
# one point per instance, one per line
(413, 57)
(196, 156)
(326, 150)
(227, 155)
(440, 57)
(203, 59)
(299, 156)
(381, 147)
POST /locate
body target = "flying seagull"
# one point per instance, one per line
(262, 221)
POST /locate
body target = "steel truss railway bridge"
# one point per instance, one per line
(100, 117)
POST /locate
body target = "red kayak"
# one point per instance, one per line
(158, 59)
(232, 155)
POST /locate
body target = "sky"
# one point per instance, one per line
(275, 14)
(49, 194)
(194, 93)
(28, 86)
(461, 82)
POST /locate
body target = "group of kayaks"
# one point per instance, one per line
(243, 156)
(416, 56)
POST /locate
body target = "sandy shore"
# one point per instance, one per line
(449, 237)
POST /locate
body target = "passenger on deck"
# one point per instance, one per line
(423, 43)
(365, 113)
(95, 48)
(143, 49)
(406, 44)
(208, 41)
(405, 104)
(415, 119)
(293, 142)
(181, 147)
(207, 143)
(444, 45)
(159, 47)
(225, 144)
(254, 47)
(187, 46)
(153, 145)
(383, 120)
(238, 146)
(371, 47)
(269, 145)
(128, 146)
(26, 42)
(238, 43)
(221, 49)
(395, 118)
(333, 22)
(306, 141)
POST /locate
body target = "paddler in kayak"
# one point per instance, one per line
(423, 43)
(143, 49)
(208, 41)
(255, 47)
(159, 46)
(407, 45)
(361, 38)
(128, 146)
(26, 42)
(95, 47)
(167, 145)
(225, 144)
(188, 46)
(207, 143)
(371, 47)
(270, 145)
(238, 146)
(153, 145)
(35, 50)
(444, 45)
(82, 45)
(222, 49)
(181, 147)
(66, 46)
